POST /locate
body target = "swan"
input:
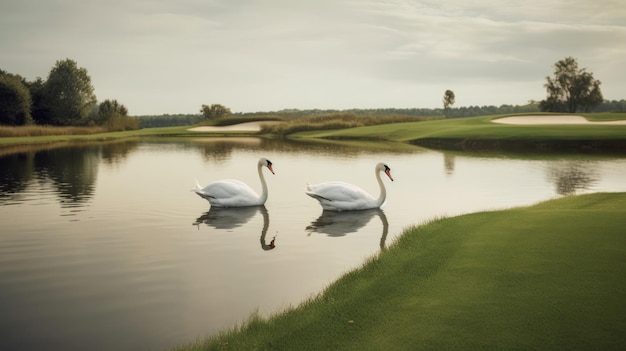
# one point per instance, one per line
(234, 193)
(340, 196)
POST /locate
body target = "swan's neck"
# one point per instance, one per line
(263, 196)
(383, 191)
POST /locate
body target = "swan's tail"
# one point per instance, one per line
(198, 188)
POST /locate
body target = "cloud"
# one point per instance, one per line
(172, 56)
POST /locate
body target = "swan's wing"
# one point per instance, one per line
(340, 196)
(229, 192)
(338, 192)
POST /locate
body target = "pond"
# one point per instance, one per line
(105, 247)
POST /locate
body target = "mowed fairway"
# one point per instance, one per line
(546, 277)
(481, 128)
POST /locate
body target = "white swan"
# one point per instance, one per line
(234, 193)
(340, 196)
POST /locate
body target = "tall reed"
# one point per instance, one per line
(34, 130)
(335, 121)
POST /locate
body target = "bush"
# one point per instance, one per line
(118, 123)
(15, 101)
(335, 121)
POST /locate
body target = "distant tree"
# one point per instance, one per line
(448, 101)
(611, 106)
(15, 101)
(571, 88)
(114, 116)
(214, 111)
(108, 109)
(68, 93)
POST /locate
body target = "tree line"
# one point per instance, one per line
(170, 120)
(65, 98)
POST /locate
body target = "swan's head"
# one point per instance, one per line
(267, 163)
(381, 167)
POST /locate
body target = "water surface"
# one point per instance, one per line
(104, 246)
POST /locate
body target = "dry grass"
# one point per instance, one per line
(31, 131)
(336, 121)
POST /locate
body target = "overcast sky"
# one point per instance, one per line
(172, 56)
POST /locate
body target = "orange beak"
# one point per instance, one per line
(388, 173)
(271, 169)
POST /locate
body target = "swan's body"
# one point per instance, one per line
(235, 193)
(340, 196)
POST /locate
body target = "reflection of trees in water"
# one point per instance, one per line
(347, 147)
(16, 170)
(70, 170)
(116, 152)
(571, 176)
(219, 149)
(448, 162)
(216, 151)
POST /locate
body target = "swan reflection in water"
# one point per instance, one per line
(230, 218)
(334, 223)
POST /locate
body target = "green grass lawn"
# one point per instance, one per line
(479, 128)
(546, 277)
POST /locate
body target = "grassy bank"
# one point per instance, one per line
(478, 128)
(75, 134)
(337, 121)
(444, 133)
(546, 277)
(480, 133)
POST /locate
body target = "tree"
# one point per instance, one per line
(40, 112)
(571, 88)
(109, 109)
(114, 116)
(448, 101)
(68, 93)
(214, 111)
(15, 101)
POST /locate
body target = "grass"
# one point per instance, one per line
(37, 131)
(478, 128)
(335, 121)
(350, 126)
(69, 134)
(546, 277)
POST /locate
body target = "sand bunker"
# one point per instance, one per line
(543, 120)
(241, 127)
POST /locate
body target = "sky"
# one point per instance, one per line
(172, 56)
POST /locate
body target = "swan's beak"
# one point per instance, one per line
(270, 168)
(388, 173)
